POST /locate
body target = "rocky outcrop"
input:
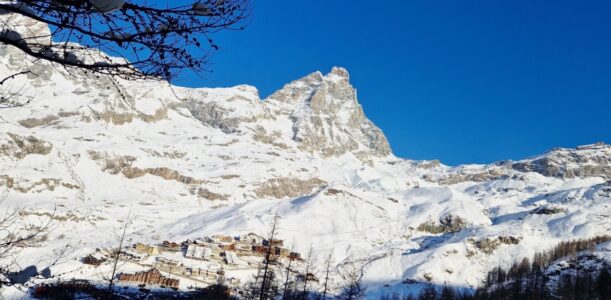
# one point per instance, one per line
(586, 161)
(38, 186)
(123, 165)
(215, 115)
(447, 224)
(273, 138)
(120, 118)
(453, 178)
(208, 195)
(34, 122)
(280, 188)
(226, 109)
(22, 146)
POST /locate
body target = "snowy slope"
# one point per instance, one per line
(194, 162)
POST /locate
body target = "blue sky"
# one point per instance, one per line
(459, 81)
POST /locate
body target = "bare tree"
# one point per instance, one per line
(353, 289)
(116, 253)
(252, 287)
(328, 263)
(285, 293)
(307, 272)
(266, 291)
(15, 234)
(148, 39)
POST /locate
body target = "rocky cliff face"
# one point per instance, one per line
(318, 114)
(327, 117)
(585, 161)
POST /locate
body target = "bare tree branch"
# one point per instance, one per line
(149, 40)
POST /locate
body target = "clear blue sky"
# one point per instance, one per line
(459, 81)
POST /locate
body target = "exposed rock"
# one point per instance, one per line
(429, 164)
(33, 122)
(166, 154)
(64, 217)
(453, 178)
(118, 118)
(586, 161)
(206, 194)
(509, 240)
(487, 245)
(547, 210)
(447, 224)
(225, 110)
(333, 192)
(41, 185)
(327, 117)
(112, 165)
(22, 146)
(123, 164)
(169, 174)
(288, 187)
(261, 135)
(215, 115)
(66, 114)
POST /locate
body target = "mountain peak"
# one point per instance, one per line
(339, 71)
(327, 116)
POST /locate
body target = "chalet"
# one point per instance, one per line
(283, 252)
(198, 252)
(243, 249)
(168, 262)
(252, 238)
(227, 246)
(231, 258)
(259, 249)
(216, 250)
(273, 243)
(170, 246)
(210, 274)
(150, 250)
(219, 238)
(130, 254)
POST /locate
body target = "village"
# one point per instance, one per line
(194, 263)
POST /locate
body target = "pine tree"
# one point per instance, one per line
(447, 293)
(603, 283)
(428, 293)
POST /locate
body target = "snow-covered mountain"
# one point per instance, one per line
(186, 163)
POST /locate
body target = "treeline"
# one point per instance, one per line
(526, 269)
(527, 279)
